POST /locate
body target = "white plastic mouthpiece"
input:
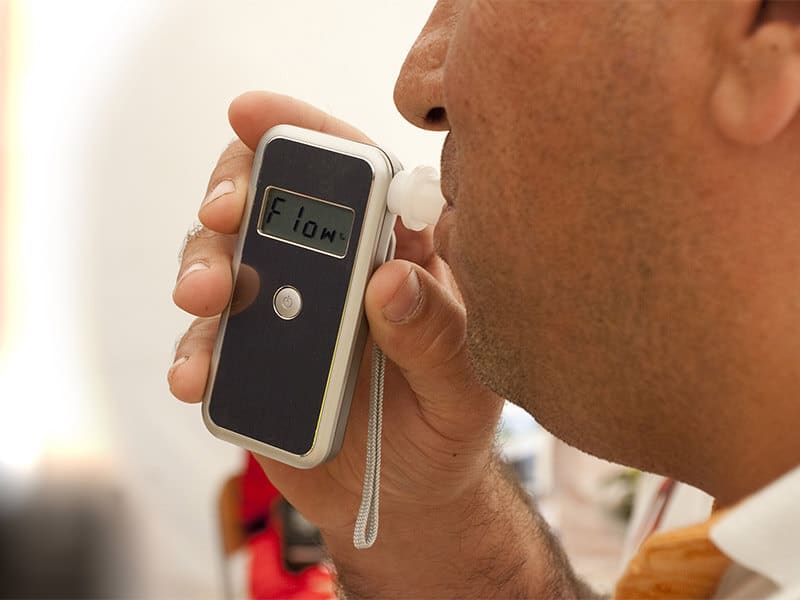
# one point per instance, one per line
(416, 197)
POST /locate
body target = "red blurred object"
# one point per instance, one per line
(267, 574)
(258, 493)
(270, 579)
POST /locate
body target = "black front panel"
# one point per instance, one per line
(272, 373)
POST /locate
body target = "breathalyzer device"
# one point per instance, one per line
(318, 221)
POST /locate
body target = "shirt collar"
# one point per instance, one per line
(762, 533)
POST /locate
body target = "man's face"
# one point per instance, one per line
(589, 231)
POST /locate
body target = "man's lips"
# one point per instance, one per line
(441, 233)
(449, 185)
(448, 171)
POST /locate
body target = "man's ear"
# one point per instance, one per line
(757, 94)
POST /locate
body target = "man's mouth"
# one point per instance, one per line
(448, 171)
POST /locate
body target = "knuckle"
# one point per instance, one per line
(194, 239)
(234, 156)
(203, 234)
(438, 336)
(201, 244)
(191, 252)
(234, 161)
(201, 331)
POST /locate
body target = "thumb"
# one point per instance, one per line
(421, 327)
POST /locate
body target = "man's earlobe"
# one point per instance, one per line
(757, 94)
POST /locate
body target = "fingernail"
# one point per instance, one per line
(226, 186)
(192, 268)
(405, 300)
(178, 362)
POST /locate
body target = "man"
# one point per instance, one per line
(623, 184)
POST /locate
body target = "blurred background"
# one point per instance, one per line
(113, 114)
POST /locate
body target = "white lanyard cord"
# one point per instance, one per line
(366, 529)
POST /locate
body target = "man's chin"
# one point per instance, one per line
(491, 366)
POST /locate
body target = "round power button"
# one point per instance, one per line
(287, 302)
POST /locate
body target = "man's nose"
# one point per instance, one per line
(418, 93)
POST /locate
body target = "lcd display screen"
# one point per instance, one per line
(305, 221)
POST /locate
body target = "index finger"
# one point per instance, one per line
(253, 113)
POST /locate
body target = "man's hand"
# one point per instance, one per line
(439, 479)
(439, 420)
